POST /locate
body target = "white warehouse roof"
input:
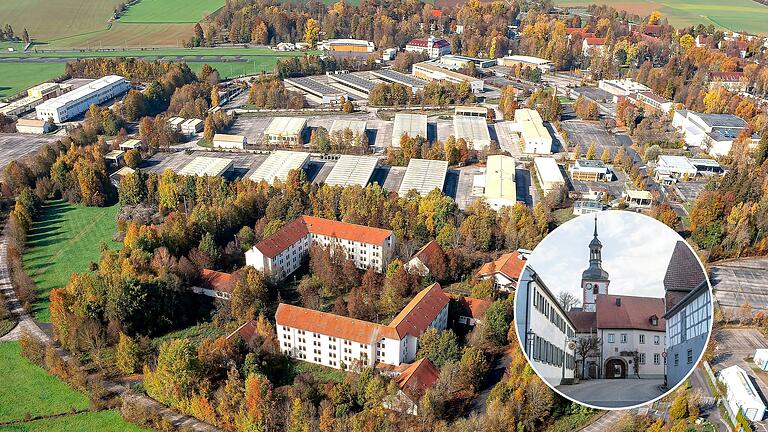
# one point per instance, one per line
(80, 92)
(677, 163)
(741, 387)
(424, 176)
(411, 124)
(548, 170)
(204, 165)
(474, 130)
(356, 126)
(531, 124)
(352, 170)
(500, 179)
(278, 164)
(286, 126)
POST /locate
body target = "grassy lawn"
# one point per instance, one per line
(195, 334)
(737, 15)
(64, 240)
(321, 373)
(28, 389)
(17, 77)
(102, 421)
(170, 11)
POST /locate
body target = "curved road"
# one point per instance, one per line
(28, 324)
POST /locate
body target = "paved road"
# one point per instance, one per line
(615, 393)
(712, 414)
(604, 422)
(28, 324)
(496, 374)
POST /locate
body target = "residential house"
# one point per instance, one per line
(215, 284)
(424, 261)
(505, 270)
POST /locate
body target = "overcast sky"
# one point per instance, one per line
(636, 252)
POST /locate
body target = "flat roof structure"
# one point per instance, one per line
(500, 184)
(472, 111)
(742, 394)
(206, 166)
(315, 87)
(83, 91)
(352, 170)
(474, 130)
(531, 125)
(286, 126)
(278, 164)
(676, 163)
(354, 81)
(548, 172)
(393, 76)
(114, 155)
(411, 124)
(130, 144)
(356, 126)
(424, 176)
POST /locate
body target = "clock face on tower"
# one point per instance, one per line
(588, 287)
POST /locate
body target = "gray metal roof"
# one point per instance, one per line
(424, 176)
(351, 170)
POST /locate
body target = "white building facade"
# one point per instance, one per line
(283, 252)
(77, 101)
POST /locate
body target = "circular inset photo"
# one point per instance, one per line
(613, 310)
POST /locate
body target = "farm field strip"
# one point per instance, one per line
(170, 11)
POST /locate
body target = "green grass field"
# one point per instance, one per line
(737, 15)
(170, 11)
(28, 389)
(63, 240)
(17, 77)
(102, 421)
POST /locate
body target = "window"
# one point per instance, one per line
(657, 358)
(690, 356)
(656, 340)
(611, 338)
(677, 359)
(642, 358)
(642, 338)
(623, 338)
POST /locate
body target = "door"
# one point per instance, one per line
(615, 368)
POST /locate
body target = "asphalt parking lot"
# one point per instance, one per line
(736, 344)
(584, 133)
(689, 191)
(740, 281)
(17, 146)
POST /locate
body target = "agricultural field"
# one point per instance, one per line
(47, 20)
(63, 240)
(170, 11)
(16, 74)
(122, 35)
(16, 77)
(29, 391)
(737, 15)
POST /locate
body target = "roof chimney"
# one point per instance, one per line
(618, 301)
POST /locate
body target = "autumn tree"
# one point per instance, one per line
(127, 355)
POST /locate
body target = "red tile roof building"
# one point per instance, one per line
(505, 271)
(431, 46)
(425, 260)
(592, 45)
(283, 252)
(731, 81)
(631, 329)
(343, 342)
(470, 310)
(412, 383)
(215, 284)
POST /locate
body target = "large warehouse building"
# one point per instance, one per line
(35, 96)
(352, 170)
(548, 173)
(285, 131)
(474, 130)
(77, 101)
(395, 77)
(423, 176)
(411, 124)
(500, 188)
(323, 92)
(207, 166)
(350, 131)
(534, 135)
(278, 164)
(431, 71)
(347, 45)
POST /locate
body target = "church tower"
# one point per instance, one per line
(594, 280)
